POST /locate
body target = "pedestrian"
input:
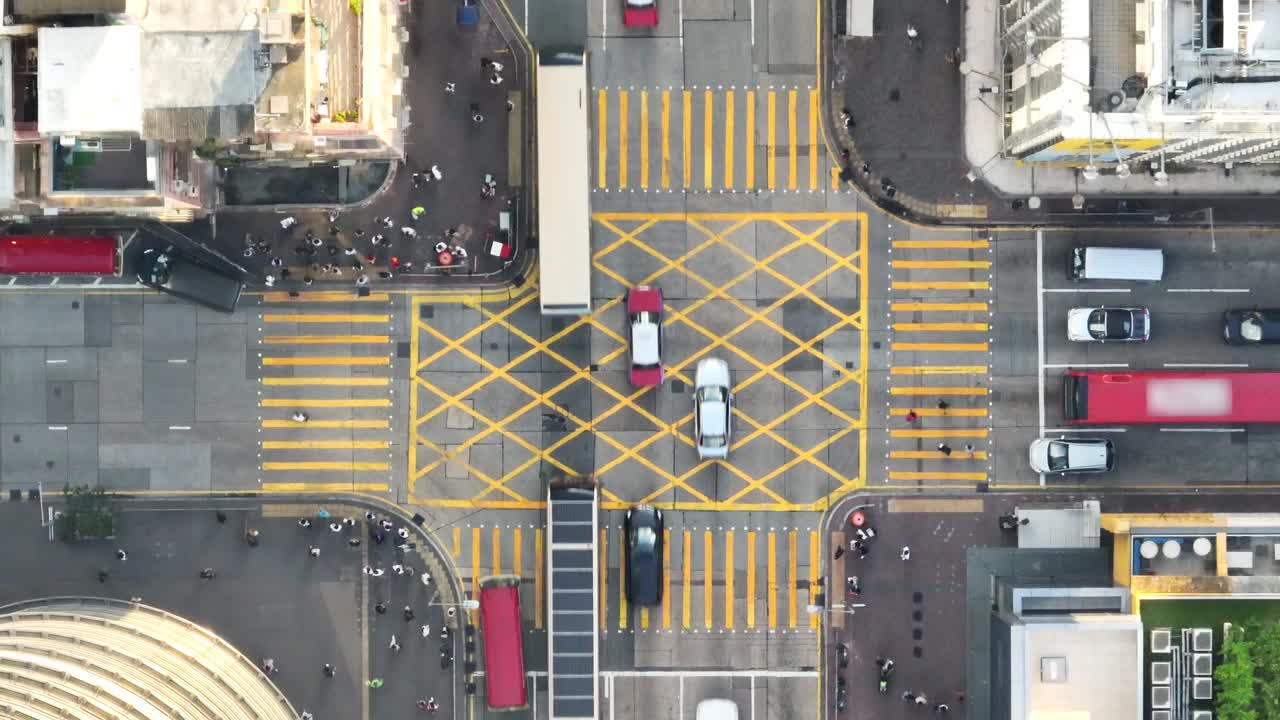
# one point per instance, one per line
(315, 241)
(362, 280)
(493, 65)
(495, 79)
(476, 117)
(941, 708)
(906, 552)
(441, 247)
(862, 551)
(375, 683)
(349, 251)
(410, 232)
(359, 233)
(432, 705)
(353, 542)
(922, 699)
(349, 521)
(288, 222)
(384, 275)
(403, 533)
(206, 574)
(378, 572)
(459, 251)
(248, 252)
(313, 551)
(435, 172)
(121, 555)
(943, 405)
(335, 526)
(888, 667)
(408, 613)
(426, 631)
(945, 449)
(307, 280)
(323, 514)
(252, 537)
(328, 670)
(387, 222)
(865, 168)
(304, 522)
(851, 586)
(416, 179)
(912, 416)
(426, 578)
(380, 607)
(284, 275)
(395, 262)
(422, 703)
(846, 118)
(397, 569)
(450, 88)
(968, 447)
(912, 33)
(908, 696)
(276, 262)
(269, 666)
(306, 715)
(394, 646)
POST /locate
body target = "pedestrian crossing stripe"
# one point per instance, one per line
(705, 132)
(781, 565)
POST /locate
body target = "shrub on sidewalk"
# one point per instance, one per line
(89, 514)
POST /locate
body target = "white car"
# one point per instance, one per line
(712, 408)
(1104, 324)
(1077, 455)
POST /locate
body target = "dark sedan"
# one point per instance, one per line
(1251, 327)
(644, 555)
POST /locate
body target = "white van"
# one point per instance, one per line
(717, 709)
(1108, 263)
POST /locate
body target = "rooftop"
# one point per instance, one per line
(90, 79)
(1081, 666)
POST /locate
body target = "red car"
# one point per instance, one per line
(644, 333)
(640, 13)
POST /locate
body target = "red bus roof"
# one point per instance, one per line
(57, 255)
(503, 632)
(1172, 397)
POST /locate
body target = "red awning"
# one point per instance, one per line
(57, 255)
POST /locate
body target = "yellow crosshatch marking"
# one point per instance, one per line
(478, 474)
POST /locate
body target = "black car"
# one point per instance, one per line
(644, 555)
(1251, 327)
(182, 277)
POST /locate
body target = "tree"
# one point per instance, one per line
(1236, 678)
(1264, 649)
(89, 514)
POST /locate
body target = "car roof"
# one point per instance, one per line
(713, 418)
(644, 343)
(1083, 454)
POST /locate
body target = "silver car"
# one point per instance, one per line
(1104, 324)
(1077, 455)
(712, 408)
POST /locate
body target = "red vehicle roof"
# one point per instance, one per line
(1179, 397)
(57, 255)
(503, 644)
(640, 16)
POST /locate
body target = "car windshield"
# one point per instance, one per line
(1058, 456)
(1109, 325)
(712, 393)
(643, 538)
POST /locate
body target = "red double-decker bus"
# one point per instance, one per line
(503, 631)
(1215, 398)
(59, 255)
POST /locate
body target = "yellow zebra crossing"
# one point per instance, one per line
(752, 139)
(939, 417)
(740, 579)
(329, 356)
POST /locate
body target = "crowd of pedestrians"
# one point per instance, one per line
(380, 530)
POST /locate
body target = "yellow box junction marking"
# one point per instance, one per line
(752, 428)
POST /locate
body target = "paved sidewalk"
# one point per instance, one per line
(921, 126)
(442, 133)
